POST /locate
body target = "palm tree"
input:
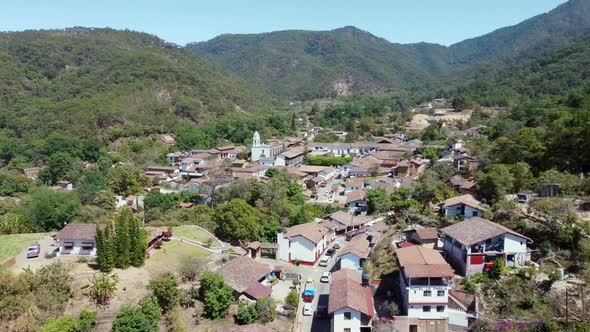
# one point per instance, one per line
(102, 287)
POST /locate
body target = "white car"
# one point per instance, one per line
(325, 260)
(307, 309)
(326, 276)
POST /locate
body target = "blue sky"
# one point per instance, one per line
(404, 21)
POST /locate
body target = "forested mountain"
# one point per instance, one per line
(556, 72)
(87, 83)
(309, 64)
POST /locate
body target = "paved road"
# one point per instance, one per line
(321, 298)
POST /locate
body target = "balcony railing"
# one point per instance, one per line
(487, 247)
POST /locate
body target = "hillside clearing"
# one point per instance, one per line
(12, 245)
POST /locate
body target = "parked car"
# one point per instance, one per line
(325, 260)
(322, 312)
(326, 276)
(330, 252)
(337, 244)
(322, 185)
(307, 309)
(34, 250)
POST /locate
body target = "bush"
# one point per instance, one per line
(247, 314)
(166, 291)
(70, 324)
(266, 308)
(498, 268)
(545, 248)
(216, 295)
(192, 268)
(292, 299)
(139, 319)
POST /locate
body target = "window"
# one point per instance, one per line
(440, 308)
(426, 308)
(427, 293)
(347, 315)
(347, 329)
(440, 293)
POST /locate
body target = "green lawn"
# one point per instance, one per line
(172, 254)
(194, 233)
(12, 245)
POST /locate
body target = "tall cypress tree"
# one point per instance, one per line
(104, 247)
(122, 243)
(138, 242)
(101, 254)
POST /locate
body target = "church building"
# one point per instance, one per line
(264, 151)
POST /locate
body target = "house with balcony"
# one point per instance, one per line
(473, 245)
(357, 201)
(464, 205)
(350, 303)
(425, 281)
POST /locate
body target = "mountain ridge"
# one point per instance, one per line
(363, 63)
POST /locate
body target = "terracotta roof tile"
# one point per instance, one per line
(77, 232)
(422, 262)
(463, 199)
(240, 273)
(346, 291)
(477, 229)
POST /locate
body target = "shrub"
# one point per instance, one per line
(166, 291)
(292, 299)
(247, 314)
(102, 287)
(266, 308)
(192, 268)
(216, 295)
(143, 318)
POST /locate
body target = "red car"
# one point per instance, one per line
(322, 185)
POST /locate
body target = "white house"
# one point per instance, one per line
(327, 172)
(291, 157)
(261, 151)
(346, 221)
(425, 282)
(77, 239)
(353, 184)
(305, 243)
(355, 252)
(350, 303)
(357, 201)
(473, 245)
(464, 205)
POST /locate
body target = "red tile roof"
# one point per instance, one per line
(240, 273)
(346, 291)
(422, 262)
(257, 291)
(77, 232)
(463, 199)
(356, 195)
(477, 229)
(313, 231)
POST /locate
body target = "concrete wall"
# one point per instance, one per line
(514, 245)
(339, 323)
(458, 318)
(454, 255)
(304, 250)
(283, 251)
(77, 249)
(416, 311)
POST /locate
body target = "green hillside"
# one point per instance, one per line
(310, 64)
(87, 82)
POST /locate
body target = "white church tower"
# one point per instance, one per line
(256, 139)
